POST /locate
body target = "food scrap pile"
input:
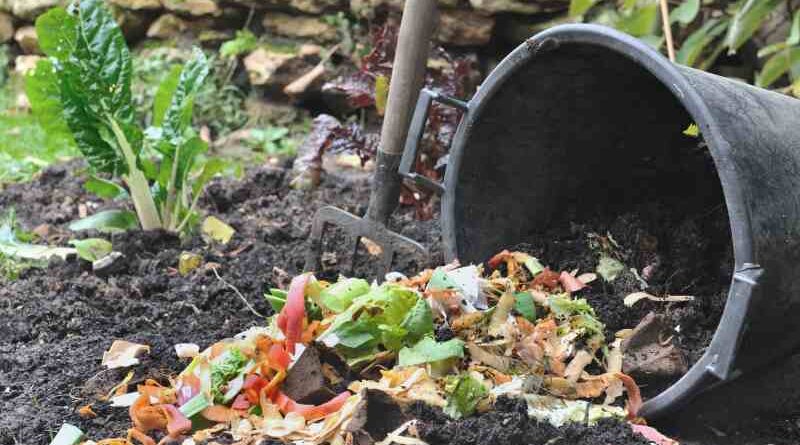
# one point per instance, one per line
(456, 338)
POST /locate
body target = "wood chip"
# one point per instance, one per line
(123, 353)
(635, 297)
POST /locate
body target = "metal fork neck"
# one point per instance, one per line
(385, 188)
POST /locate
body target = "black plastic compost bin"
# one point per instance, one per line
(561, 119)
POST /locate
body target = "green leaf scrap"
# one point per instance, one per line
(338, 296)
(525, 306)
(429, 350)
(609, 268)
(463, 394)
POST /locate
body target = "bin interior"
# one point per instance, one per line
(582, 141)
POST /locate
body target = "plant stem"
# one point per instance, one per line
(168, 217)
(140, 188)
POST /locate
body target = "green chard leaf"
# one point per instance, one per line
(178, 115)
(42, 86)
(93, 72)
(429, 350)
(92, 249)
(463, 394)
(107, 221)
(57, 31)
(164, 94)
(12, 246)
(104, 188)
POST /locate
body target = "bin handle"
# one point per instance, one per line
(745, 285)
(414, 137)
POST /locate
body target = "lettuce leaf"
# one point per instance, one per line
(463, 394)
(429, 350)
(388, 317)
(338, 296)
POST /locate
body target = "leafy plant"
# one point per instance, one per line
(272, 141)
(706, 30)
(219, 104)
(84, 89)
(244, 42)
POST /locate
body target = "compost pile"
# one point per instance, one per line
(400, 362)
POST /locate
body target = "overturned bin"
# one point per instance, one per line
(571, 119)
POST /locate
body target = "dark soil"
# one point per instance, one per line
(509, 424)
(58, 321)
(688, 257)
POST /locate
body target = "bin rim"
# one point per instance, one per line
(707, 371)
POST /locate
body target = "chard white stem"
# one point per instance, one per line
(170, 208)
(140, 188)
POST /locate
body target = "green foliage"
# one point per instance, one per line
(219, 105)
(385, 318)
(577, 311)
(107, 221)
(84, 90)
(5, 58)
(338, 296)
(685, 13)
(104, 188)
(429, 350)
(15, 245)
(11, 266)
(26, 148)
(463, 394)
(703, 30)
(92, 249)
(244, 42)
(273, 141)
(525, 306)
(749, 16)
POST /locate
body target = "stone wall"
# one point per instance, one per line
(480, 29)
(463, 23)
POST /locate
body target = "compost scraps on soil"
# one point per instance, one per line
(351, 362)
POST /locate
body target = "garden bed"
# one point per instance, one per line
(58, 321)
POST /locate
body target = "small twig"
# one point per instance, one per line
(667, 29)
(233, 288)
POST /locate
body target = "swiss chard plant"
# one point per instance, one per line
(83, 89)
